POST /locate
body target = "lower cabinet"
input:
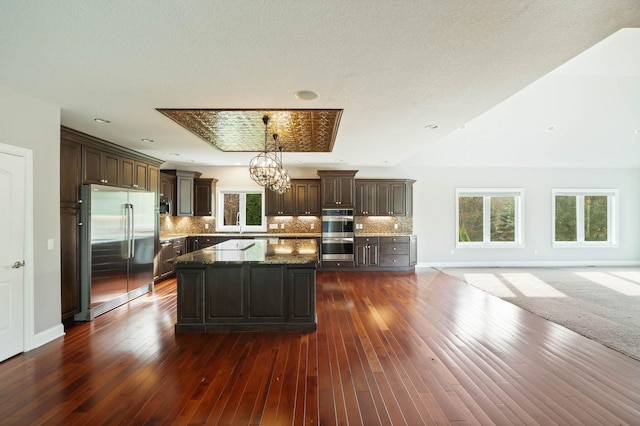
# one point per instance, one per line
(366, 252)
(382, 253)
(394, 251)
(69, 265)
(169, 250)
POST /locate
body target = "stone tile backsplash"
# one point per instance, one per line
(186, 225)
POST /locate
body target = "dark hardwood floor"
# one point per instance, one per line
(390, 348)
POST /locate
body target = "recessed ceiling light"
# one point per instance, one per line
(637, 130)
(147, 140)
(306, 95)
(464, 126)
(431, 126)
(551, 128)
(101, 120)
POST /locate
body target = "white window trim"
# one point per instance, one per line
(518, 193)
(613, 196)
(242, 227)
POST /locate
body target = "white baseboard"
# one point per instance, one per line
(526, 264)
(46, 336)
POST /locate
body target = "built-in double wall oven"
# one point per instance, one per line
(337, 234)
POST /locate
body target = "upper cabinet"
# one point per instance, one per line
(384, 197)
(133, 174)
(186, 193)
(167, 189)
(279, 204)
(366, 192)
(100, 166)
(306, 194)
(202, 199)
(182, 194)
(337, 188)
(303, 199)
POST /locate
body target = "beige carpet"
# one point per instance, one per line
(600, 303)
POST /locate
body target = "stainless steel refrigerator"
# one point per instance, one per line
(117, 248)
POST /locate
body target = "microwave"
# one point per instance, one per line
(165, 207)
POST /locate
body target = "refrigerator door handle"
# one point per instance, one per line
(129, 228)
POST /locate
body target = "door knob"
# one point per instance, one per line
(18, 264)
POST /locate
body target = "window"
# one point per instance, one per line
(489, 217)
(241, 210)
(584, 217)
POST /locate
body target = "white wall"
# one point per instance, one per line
(434, 215)
(29, 123)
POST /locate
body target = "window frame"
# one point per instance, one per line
(613, 199)
(486, 194)
(242, 227)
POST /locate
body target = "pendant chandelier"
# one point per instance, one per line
(266, 168)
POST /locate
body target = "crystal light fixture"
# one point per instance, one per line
(266, 169)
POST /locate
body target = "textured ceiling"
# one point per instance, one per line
(392, 67)
(301, 130)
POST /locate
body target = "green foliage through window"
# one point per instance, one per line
(582, 217)
(494, 214)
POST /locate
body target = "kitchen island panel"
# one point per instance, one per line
(266, 293)
(190, 291)
(302, 285)
(225, 296)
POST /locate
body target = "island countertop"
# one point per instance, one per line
(258, 251)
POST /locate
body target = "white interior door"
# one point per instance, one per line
(12, 188)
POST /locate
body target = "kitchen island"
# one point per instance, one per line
(248, 285)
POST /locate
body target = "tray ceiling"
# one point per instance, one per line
(298, 130)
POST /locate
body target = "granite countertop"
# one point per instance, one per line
(262, 251)
(379, 234)
(245, 234)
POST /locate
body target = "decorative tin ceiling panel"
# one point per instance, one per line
(299, 130)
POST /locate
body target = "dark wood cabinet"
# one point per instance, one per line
(246, 297)
(303, 199)
(391, 200)
(366, 198)
(167, 191)
(70, 181)
(183, 192)
(202, 199)
(279, 204)
(366, 252)
(306, 197)
(302, 300)
(190, 290)
(337, 188)
(169, 250)
(199, 242)
(384, 197)
(100, 167)
(85, 159)
(394, 251)
(165, 255)
(132, 174)
(153, 180)
(141, 176)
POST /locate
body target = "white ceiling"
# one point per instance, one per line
(394, 67)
